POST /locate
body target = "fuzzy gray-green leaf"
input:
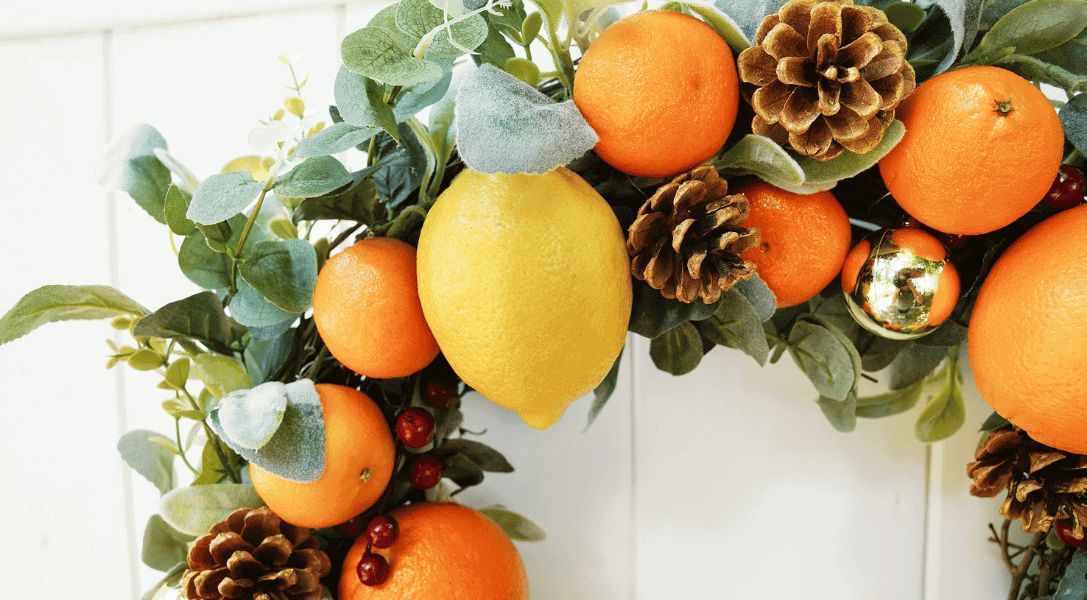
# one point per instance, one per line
(194, 509)
(147, 458)
(759, 155)
(52, 303)
(163, 546)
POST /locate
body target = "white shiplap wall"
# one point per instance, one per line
(724, 483)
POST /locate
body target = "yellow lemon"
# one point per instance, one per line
(525, 282)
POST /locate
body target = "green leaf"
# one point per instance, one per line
(955, 10)
(199, 317)
(1070, 56)
(759, 295)
(212, 469)
(252, 309)
(418, 97)
(163, 546)
(495, 49)
(677, 351)
(222, 196)
(52, 303)
(167, 584)
(722, 24)
(946, 412)
(824, 175)
(653, 314)
(217, 236)
(913, 364)
(148, 458)
(842, 414)
(906, 16)
(400, 170)
(1073, 586)
(145, 359)
(462, 470)
(759, 155)
(315, 176)
(129, 164)
(831, 363)
(361, 103)
(357, 203)
(373, 52)
(748, 14)
(516, 526)
(890, 403)
(177, 374)
(175, 207)
(737, 325)
(202, 265)
(194, 509)
(334, 139)
(1074, 121)
(221, 375)
(264, 356)
(1035, 27)
(250, 417)
(484, 456)
(994, 421)
(994, 9)
(284, 272)
(417, 18)
(605, 389)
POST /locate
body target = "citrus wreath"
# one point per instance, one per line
(869, 187)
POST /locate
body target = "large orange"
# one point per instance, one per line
(366, 307)
(982, 147)
(359, 457)
(1028, 332)
(805, 239)
(444, 551)
(660, 89)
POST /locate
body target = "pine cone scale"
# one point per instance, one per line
(784, 42)
(794, 70)
(826, 20)
(800, 110)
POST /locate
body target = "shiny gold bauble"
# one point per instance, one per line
(899, 284)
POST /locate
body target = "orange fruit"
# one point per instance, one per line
(805, 239)
(359, 456)
(982, 147)
(366, 308)
(660, 89)
(445, 550)
(1028, 332)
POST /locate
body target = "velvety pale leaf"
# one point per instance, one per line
(605, 389)
(1036, 26)
(202, 265)
(484, 456)
(194, 509)
(220, 374)
(1074, 121)
(506, 126)
(516, 526)
(334, 139)
(842, 414)
(946, 412)
(251, 309)
(678, 350)
(890, 403)
(199, 317)
(359, 100)
(955, 10)
(163, 546)
(825, 359)
(759, 155)
(222, 196)
(373, 52)
(175, 207)
(52, 303)
(296, 450)
(315, 176)
(736, 324)
(653, 314)
(748, 14)
(284, 272)
(150, 459)
(818, 175)
(250, 417)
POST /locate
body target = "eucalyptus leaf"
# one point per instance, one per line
(1074, 121)
(52, 303)
(202, 265)
(359, 202)
(163, 546)
(736, 324)
(284, 272)
(264, 356)
(418, 18)
(374, 53)
(198, 317)
(914, 364)
(222, 196)
(148, 458)
(484, 456)
(759, 295)
(518, 527)
(890, 403)
(605, 389)
(1035, 27)
(251, 309)
(220, 374)
(418, 97)
(334, 139)
(506, 126)
(842, 414)
(677, 351)
(194, 509)
(129, 164)
(360, 102)
(652, 314)
(175, 206)
(759, 155)
(314, 176)
(946, 412)
(250, 417)
(1073, 585)
(825, 359)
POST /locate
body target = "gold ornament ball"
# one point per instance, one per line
(899, 284)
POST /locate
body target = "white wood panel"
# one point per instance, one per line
(742, 487)
(62, 486)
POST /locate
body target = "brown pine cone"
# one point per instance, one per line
(254, 555)
(825, 76)
(687, 238)
(1043, 484)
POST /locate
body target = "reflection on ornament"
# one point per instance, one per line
(899, 284)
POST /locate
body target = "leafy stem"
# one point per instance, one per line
(245, 236)
(216, 443)
(181, 448)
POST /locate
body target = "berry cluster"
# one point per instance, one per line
(381, 532)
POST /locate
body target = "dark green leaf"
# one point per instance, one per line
(955, 10)
(678, 350)
(194, 509)
(313, 177)
(334, 139)
(176, 205)
(494, 50)
(400, 169)
(1073, 586)
(931, 45)
(946, 335)
(1070, 56)
(1035, 27)
(518, 527)
(163, 546)
(994, 421)
(374, 53)
(284, 272)
(914, 364)
(217, 236)
(148, 458)
(878, 352)
(482, 455)
(1074, 121)
(462, 470)
(653, 314)
(199, 317)
(826, 359)
(605, 389)
(994, 9)
(264, 356)
(202, 265)
(946, 412)
(906, 16)
(357, 203)
(842, 414)
(890, 403)
(737, 325)
(52, 303)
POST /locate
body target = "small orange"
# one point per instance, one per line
(366, 307)
(359, 457)
(805, 239)
(444, 550)
(1028, 332)
(982, 147)
(660, 89)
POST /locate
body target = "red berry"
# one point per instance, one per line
(351, 527)
(426, 472)
(415, 427)
(382, 531)
(1064, 530)
(1069, 188)
(438, 394)
(372, 569)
